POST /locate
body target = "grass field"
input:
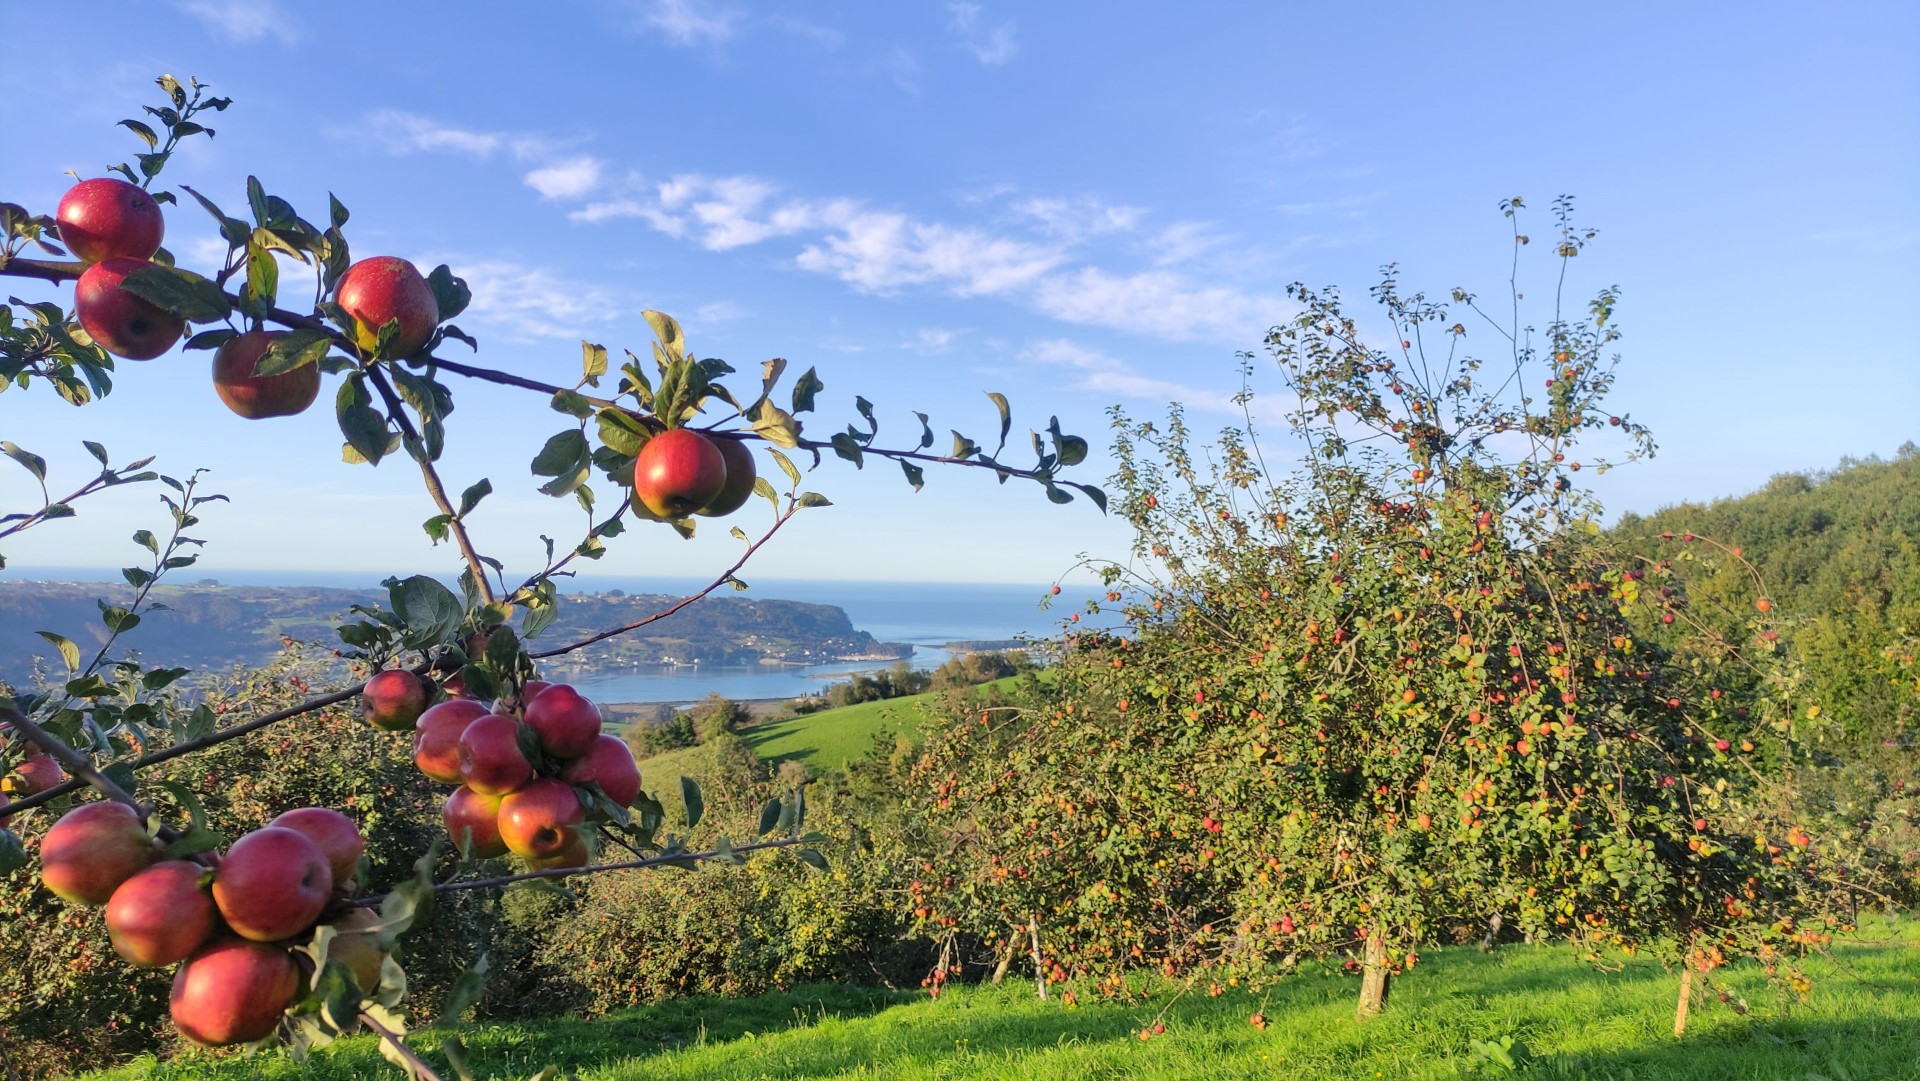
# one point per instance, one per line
(1862, 1022)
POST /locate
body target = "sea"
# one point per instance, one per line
(925, 615)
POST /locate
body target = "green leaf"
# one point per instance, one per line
(192, 843)
(593, 362)
(32, 462)
(814, 499)
(777, 426)
(363, 426)
(667, 330)
(181, 292)
(811, 858)
(915, 475)
(1006, 416)
(471, 498)
(963, 448)
(291, 351)
(145, 133)
(848, 447)
(69, 653)
(926, 431)
(211, 339)
(765, 491)
(622, 433)
(567, 459)
(571, 403)
(257, 200)
(449, 292)
(118, 620)
(804, 390)
(696, 804)
(770, 817)
(13, 855)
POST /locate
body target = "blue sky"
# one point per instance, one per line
(1076, 204)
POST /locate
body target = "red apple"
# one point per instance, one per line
(678, 472)
(538, 820)
(740, 476)
(36, 773)
(123, 324)
(375, 291)
(161, 914)
(573, 853)
(436, 739)
(92, 850)
(106, 218)
(476, 815)
(566, 722)
(333, 833)
(491, 762)
(394, 700)
(609, 762)
(256, 396)
(233, 991)
(272, 884)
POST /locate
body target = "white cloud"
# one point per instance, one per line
(1184, 241)
(689, 22)
(1108, 375)
(992, 45)
(719, 311)
(930, 340)
(399, 132)
(1081, 218)
(244, 20)
(574, 178)
(526, 303)
(884, 251)
(1349, 206)
(1159, 303)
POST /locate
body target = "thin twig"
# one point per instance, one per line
(420, 1068)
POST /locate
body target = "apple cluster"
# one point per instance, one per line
(682, 471)
(525, 773)
(116, 227)
(233, 921)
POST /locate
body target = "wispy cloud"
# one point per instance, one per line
(574, 178)
(991, 43)
(930, 340)
(1096, 371)
(245, 20)
(1158, 303)
(1081, 218)
(526, 303)
(398, 132)
(688, 22)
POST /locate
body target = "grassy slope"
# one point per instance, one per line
(1862, 1022)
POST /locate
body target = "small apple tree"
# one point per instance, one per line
(456, 668)
(1391, 688)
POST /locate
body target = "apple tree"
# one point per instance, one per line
(1383, 682)
(281, 933)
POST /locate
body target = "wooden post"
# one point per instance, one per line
(1039, 971)
(1375, 975)
(1686, 996)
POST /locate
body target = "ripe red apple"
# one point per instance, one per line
(678, 472)
(233, 991)
(476, 815)
(571, 854)
(161, 914)
(374, 291)
(609, 762)
(92, 850)
(538, 820)
(333, 833)
(394, 700)
(436, 738)
(272, 884)
(491, 762)
(106, 218)
(123, 324)
(256, 396)
(740, 476)
(359, 947)
(566, 722)
(36, 773)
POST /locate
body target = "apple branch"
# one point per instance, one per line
(435, 488)
(415, 1064)
(667, 859)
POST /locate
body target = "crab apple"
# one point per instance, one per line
(333, 833)
(394, 700)
(376, 291)
(491, 762)
(92, 850)
(572, 854)
(107, 218)
(258, 396)
(476, 816)
(538, 820)
(233, 991)
(740, 476)
(678, 472)
(272, 884)
(565, 721)
(37, 773)
(121, 323)
(608, 763)
(436, 738)
(359, 947)
(161, 914)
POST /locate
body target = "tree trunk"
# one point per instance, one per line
(1039, 971)
(1374, 977)
(1686, 998)
(1006, 957)
(1493, 932)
